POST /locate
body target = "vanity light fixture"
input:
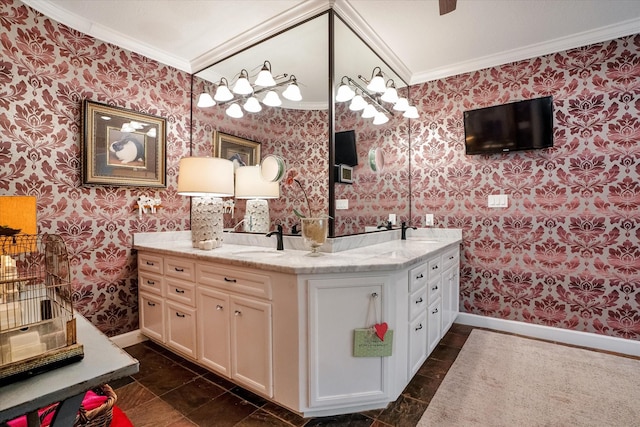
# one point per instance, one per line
(411, 113)
(377, 81)
(380, 118)
(369, 112)
(390, 93)
(357, 103)
(401, 105)
(345, 93)
(244, 94)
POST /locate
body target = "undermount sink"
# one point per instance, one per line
(259, 253)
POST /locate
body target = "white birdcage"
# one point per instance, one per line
(37, 324)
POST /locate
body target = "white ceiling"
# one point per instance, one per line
(410, 35)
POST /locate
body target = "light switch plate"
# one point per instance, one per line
(498, 201)
(392, 219)
(342, 204)
(428, 220)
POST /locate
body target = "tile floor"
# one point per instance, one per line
(173, 392)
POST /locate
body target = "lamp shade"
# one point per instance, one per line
(205, 177)
(251, 185)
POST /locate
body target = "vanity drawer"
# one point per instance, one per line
(450, 257)
(434, 289)
(181, 291)
(149, 262)
(179, 268)
(240, 281)
(435, 267)
(418, 302)
(150, 282)
(418, 277)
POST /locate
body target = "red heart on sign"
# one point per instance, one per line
(381, 329)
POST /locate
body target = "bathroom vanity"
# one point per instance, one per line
(281, 323)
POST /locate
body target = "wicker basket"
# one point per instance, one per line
(100, 416)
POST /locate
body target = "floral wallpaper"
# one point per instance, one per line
(46, 71)
(566, 252)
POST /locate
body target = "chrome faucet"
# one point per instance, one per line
(278, 233)
(404, 230)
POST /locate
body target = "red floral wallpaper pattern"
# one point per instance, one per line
(46, 71)
(566, 251)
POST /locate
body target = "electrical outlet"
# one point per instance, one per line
(392, 219)
(342, 204)
(428, 220)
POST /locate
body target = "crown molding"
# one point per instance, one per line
(297, 14)
(51, 10)
(585, 38)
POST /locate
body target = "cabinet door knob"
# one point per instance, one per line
(226, 279)
(151, 304)
(419, 327)
(179, 314)
(179, 291)
(418, 301)
(219, 307)
(238, 313)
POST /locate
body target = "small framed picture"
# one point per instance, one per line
(240, 151)
(122, 147)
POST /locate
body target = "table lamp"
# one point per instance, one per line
(206, 180)
(251, 186)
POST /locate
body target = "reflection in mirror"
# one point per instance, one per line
(296, 131)
(379, 127)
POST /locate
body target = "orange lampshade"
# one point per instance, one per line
(19, 212)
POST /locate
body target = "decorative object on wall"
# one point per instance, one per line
(207, 180)
(245, 93)
(240, 151)
(376, 159)
(376, 101)
(250, 185)
(147, 205)
(122, 147)
(273, 168)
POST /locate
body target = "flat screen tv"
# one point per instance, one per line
(522, 125)
(346, 153)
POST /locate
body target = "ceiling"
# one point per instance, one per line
(409, 35)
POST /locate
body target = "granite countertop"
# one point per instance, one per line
(351, 254)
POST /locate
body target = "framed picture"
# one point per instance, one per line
(239, 150)
(122, 147)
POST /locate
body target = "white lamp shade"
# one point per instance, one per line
(401, 105)
(242, 86)
(205, 177)
(390, 95)
(357, 103)
(223, 94)
(369, 112)
(380, 118)
(252, 105)
(234, 111)
(251, 185)
(411, 113)
(272, 99)
(292, 93)
(265, 79)
(345, 93)
(377, 84)
(205, 100)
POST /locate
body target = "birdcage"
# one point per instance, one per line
(37, 324)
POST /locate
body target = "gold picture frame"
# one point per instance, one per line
(239, 150)
(122, 147)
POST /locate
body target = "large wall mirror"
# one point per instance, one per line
(298, 131)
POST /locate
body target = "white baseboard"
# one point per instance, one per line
(128, 339)
(565, 336)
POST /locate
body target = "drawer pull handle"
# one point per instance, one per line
(435, 288)
(179, 315)
(151, 282)
(226, 279)
(151, 263)
(435, 267)
(219, 307)
(179, 291)
(238, 313)
(419, 327)
(179, 270)
(418, 301)
(420, 276)
(151, 304)
(451, 257)
(435, 311)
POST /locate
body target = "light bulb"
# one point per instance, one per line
(411, 113)
(292, 92)
(265, 79)
(272, 99)
(401, 105)
(345, 93)
(205, 100)
(377, 82)
(390, 95)
(380, 118)
(357, 103)
(234, 111)
(242, 86)
(223, 94)
(252, 105)
(369, 112)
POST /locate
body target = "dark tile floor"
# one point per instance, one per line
(171, 391)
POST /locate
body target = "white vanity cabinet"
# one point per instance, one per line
(151, 298)
(180, 303)
(451, 287)
(418, 304)
(337, 306)
(234, 325)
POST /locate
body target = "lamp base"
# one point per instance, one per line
(206, 222)
(256, 218)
